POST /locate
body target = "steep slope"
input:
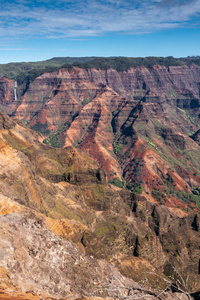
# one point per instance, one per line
(32, 257)
(138, 124)
(60, 217)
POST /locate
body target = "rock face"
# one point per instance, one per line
(75, 88)
(139, 125)
(40, 262)
(62, 224)
(6, 91)
(52, 265)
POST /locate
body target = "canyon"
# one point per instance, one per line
(112, 209)
(141, 125)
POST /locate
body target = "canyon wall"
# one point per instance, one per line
(141, 125)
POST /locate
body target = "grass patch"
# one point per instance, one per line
(116, 182)
(54, 140)
(158, 195)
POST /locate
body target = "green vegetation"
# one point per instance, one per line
(196, 191)
(124, 63)
(191, 60)
(28, 76)
(134, 188)
(41, 128)
(69, 60)
(116, 182)
(54, 140)
(106, 231)
(117, 148)
(86, 101)
(188, 198)
(169, 185)
(61, 211)
(153, 145)
(88, 97)
(26, 72)
(158, 195)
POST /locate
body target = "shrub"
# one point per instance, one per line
(135, 188)
(158, 195)
(116, 182)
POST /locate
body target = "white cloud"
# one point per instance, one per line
(92, 18)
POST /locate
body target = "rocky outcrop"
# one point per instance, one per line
(176, 238)
(6, 91)
(5, 122)
(196, 136)
(52, 265)
(41, 263)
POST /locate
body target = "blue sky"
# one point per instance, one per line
(41, 29)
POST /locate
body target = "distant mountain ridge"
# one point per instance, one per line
(28, 71)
